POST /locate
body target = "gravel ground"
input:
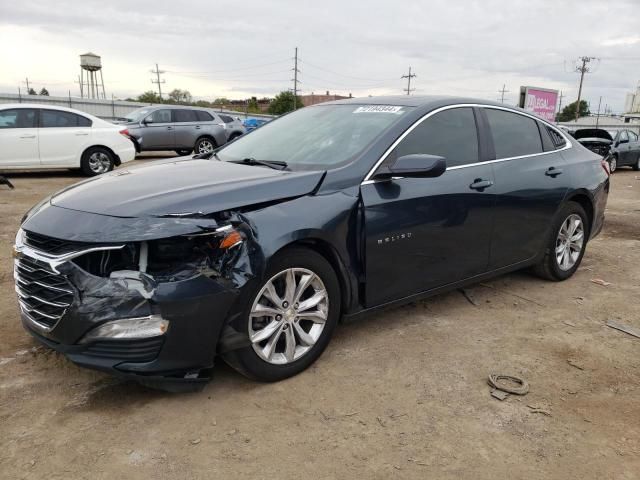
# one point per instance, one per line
(400, 394)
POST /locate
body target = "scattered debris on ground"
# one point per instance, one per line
(600, 281)
(624, 328)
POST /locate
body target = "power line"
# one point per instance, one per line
(231, 70)
(408, 77)
(582, 70)
(502, 92)
(157, 73)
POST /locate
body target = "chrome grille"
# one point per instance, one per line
(53, 246)
(44, 295)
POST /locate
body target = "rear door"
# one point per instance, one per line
(634, 148)
(186, 127)
(18, 137)
(422, 233)
(159, 131)
(62, 137)
(531, 183)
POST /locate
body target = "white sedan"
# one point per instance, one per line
(39, 137)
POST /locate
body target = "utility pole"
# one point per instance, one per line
(157, 72)
(409, 77)
(295, 79)
(502, 92)
(560, 106)
(582, 70)
(598, 114)
(26, 80)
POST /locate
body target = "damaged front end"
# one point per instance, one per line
(150, 308)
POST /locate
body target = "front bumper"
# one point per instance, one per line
(196, 309)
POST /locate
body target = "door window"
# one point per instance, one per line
(632, 136)
(60, 119)
(623, 136)
(18, 118)
(203, 116)
(450, 134)
(160, 116)
(513, 134)
(181, 116)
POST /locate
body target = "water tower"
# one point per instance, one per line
(90, 66)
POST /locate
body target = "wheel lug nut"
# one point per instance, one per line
(295, 306)
(285, 304)
(278, 317)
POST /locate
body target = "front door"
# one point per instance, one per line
(18, 137)
(422, 233)
(158, 131)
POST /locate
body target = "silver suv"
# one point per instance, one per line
(233, 126)
(176, 127)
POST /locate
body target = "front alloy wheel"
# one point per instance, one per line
(288, 316)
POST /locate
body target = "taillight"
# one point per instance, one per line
(605, 166)
(125, 132)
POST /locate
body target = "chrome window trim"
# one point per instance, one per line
(368, 178)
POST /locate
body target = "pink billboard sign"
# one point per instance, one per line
(541, 101)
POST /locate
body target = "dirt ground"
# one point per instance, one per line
(401, 394)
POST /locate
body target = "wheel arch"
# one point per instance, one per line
(586, 202)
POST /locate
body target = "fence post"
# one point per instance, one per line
(70, 99)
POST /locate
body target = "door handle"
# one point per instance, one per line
(27, 136)
(82, 133)
(480, 184)
(169, 128)
(553, 172)
(198, 127)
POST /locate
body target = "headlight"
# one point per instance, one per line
(128, 328)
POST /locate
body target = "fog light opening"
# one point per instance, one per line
(128, 328)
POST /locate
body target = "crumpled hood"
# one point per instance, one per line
(183, 188)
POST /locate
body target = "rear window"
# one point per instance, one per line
(226, 118)
(203, 116)
(513, 134)
(184, 116)
(60, 119)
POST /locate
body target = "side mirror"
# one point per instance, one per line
(417, 165)
(147, 120)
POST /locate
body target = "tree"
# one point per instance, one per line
(252, 105)
(149, 97)
(44, 92)
(32, 91)
(283, 103)
(180, 96)
(569, 112)
(221, 101)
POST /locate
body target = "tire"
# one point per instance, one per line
(553, 268)
(636, 166)
(282, 362)
(96, 161)
(613, 163)
(205, 145)
(184, 151)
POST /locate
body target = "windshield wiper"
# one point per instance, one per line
(275, 164)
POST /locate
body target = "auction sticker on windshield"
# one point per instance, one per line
(378, 109)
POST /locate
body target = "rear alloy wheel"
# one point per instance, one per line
(566, 244)
(205, 145)
(290, 318)
(97, 160)
(613, 163)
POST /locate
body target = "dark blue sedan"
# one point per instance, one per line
(255, 251)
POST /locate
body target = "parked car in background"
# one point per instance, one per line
(176, 127)
(253, 123)
(233, 126)
(619, 147)
(254, 252)
(36, 137)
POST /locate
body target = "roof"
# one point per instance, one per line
(417, 101)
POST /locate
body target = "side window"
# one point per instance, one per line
(184, 116)
(59, 119)
(226, 118)
(624, 136)
(632, 136)
(18, 118)
(84, 121)
(451, 134)
(160, 116)
(557, 139)
(203, 116)
(513, 134)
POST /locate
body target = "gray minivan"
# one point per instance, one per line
(176, 127)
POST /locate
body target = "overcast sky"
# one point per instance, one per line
(244, 48)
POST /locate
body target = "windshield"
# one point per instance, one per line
(138, 114)
(318, 137)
